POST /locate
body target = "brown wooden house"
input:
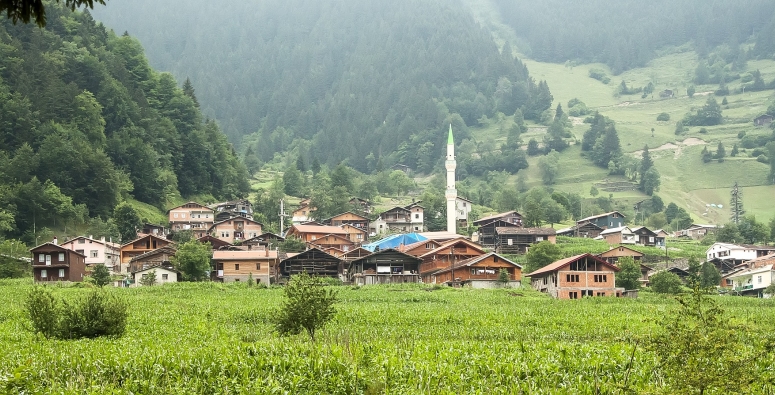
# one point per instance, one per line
(348, 218)
(612, 256)
(236, 230)
(356, 253)
(310, 233)
(52, 262)
(644, 236)
(191, 216)
(160, 257)
(480, 272)
(215, 243)
(420, 248)
(313, 262)
(512, 240)
(233, 266)
(576, 277)
(140, 246)
(488, 224)
(388, 266)
(340, 242)
(445, 255)
(584, 229)
(357, 235)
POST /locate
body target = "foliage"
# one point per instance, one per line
(542, 254)
(729, 233)
(602, 142)
(308, 306)
(181, 236)
(503, 277)
(665, 282)
(192, 259)
(127, 221)
(12, 259)
(549, 166)
(148, 279)
(28, 10)
(708, 115)
(736, 203)
(292, 244)
(95, 314)
(701, 350)
(689, 92)
(101, 275)
(710, 277)
(664, 117)
(629, 275)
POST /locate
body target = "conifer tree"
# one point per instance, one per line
(736, 204)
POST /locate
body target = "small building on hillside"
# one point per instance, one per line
(511, 240)
(233, 266)
(348, 218)
(752, 282)
(620, 235)
(96, 251)
(398, 219)
(313, 262)
(612, 256)
(310, 233)
(304, 213)
(488, 224)
(235, 230)
(361, 205)
(481, 271)
(241, 208)
(52, 262)
(733, 253)
(138, 247)
(385, 267)
(586, 230)
(356, 235)
(576, 277)
(763, 120)
(644, 236)
(355, 253)
(266, 240)
(667, 93)
(661, 237)
(160, 257)
(339, 242)
(163, 275)
(463, 207)
(215, 243)
(191, 216)
(696, 231)
(446, 255)
(614, 219)
(153, 229)
(420, 248)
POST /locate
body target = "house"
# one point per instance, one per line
(96, 251)
(752, 282)
(356, 235)
(52, 262)
(644, 236)
(731, 253)
(235, 208)
(417, 216)
(511, 240)
(576, 277)
(463, 207)
(356, 253)
(314, 262)
(696, 231)
(153, 229)
(446, 255)
(267, 240)
(681, 273)
(612, 256)
(303, 213)
(361, 205)
(215, 243)
(388, 266)
(763, 120)
(163, 274)
(310, 233)
(481, 271)
(406, 169)
(614, 219)
(160, 257)
(620, 235)
(236, 229)
(488, 224)
(420, 248)
(348, 218)
(398, 219)
(138, 247)
(233, 266)
(191, 216)
(666, 93)
(340, 242)
(586, 230)
(661, 237)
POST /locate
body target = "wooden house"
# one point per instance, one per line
(313, 262)
(139, 246)
(266, 240)
(612, 256)
(163, 274)
(445, 255)
(388, 266)
(355, 253)
(348, 218)
(481, 271)
(488, 224)
(661, 237)
(361, 205)
(763, 120)
(310, 233)
(215, 243)
(233, 266)
(644, 236)
(614, 219)
(52, 262)
(511, 240)
(404, 168)
(576, 277)
(696, 231)
(241, 208)
(420, 248)
(96, 251)
(357, 235)
(235, 230)
(153, 229)
(304, 213)
(160, 257)
(340, 242)
(191, 216)
(585, 230)
(620, 235)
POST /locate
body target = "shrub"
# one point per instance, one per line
(665, 282)
(599, 75)
(663, 117)
(757, 152)
(101, 275)
(763, 159)
(96, 314)
(308, 306)
(148, 279)
(703, 131)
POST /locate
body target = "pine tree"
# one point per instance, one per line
(188, 90)
(645, 164)
(736, 203)
(720, 152)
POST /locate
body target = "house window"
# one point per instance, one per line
(759, 279)
(236, 266)
(473, 272)
(164, 276)
(41, 257)
(510, 242)
(175, 215)
(81, 241)
(417, 216)
(43, 273)
(546, 280)
(360, 237)
(61, 257)
(258, 266)
(48, 259)
(416, 228)
(539, 238)
(61, 273)
(600, 294)
(182, 215)
(93, 253)
(572, 278)
(586, 292)
(601, 278)
(428, 246)
(573, 295)
(80, 252)
(651, 239)
(615, 215)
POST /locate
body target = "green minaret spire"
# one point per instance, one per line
(450, 141)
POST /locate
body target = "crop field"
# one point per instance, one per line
(211, 338)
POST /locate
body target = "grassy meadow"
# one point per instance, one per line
(211, 338)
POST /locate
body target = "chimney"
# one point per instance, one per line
(266, 252)
(91, 237)
(102, 239)
(55, 242)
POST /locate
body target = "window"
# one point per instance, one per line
(615, 215)
(759, 279)
(80, 252)
(546, 280)
(539, 238)
(495, 258)
(61, 257)
(360, 237)
(61, 273)
(258, 266)
(601, 278)
(473, 272)
(81, 241)
(41, 257)
(182, 215)
(236, 266)
(600, 294)
(572, 278)
(428, 246)
(165, 276)
(651, 239)
(175, 215)
(417, 216)
(93, 253)
(586, 292)
(510, 242)
(48, 259)
(573, 295)
(43, 273)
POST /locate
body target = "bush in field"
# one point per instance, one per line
(96, 314)
(308, 306)
(666, 283)
(663, 117)
(193, 260)
(101, 275)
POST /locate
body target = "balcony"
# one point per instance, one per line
(744, 287)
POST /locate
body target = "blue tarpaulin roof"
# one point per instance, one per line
(394, 241)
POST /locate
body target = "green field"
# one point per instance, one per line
(211, 338)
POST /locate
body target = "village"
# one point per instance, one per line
(395, 248)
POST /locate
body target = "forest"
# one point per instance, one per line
(361, 82)
(86, 123)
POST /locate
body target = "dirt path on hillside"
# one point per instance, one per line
(677, 147)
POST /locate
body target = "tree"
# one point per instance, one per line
(292, 244)
(148, 279)
(532, 147)
(629, 275)
(679, 128)
(293, 181)
(503, 277)
(708, 115)
(127, 221)
(193, 260)
(308, 306)
(101, 275)
(593, 191)
(665, 282)
(27, 10)
(554, 212)
(736, 203)
(645, 164)
(720, 152)
(542, 254)
(694, 269)
(651, 181)
(752, 231)
(549, 166)
(690, 91)
(710, 277)
(729, 233)
(735, 151)
(188, 90)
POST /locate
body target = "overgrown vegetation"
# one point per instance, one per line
(307, 307)
(97, 313)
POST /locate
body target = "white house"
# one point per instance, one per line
(752, 281)
(96, 251)
(731, 252)
(163, 275)
(620, 235)
(463, 207)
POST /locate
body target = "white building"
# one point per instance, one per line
(96, 251)
(731, 252)
(163, 275)
(753, 281)
(463, 207)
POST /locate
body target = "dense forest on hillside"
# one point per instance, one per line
(627, 34)
(374, 83)
(85, 124)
